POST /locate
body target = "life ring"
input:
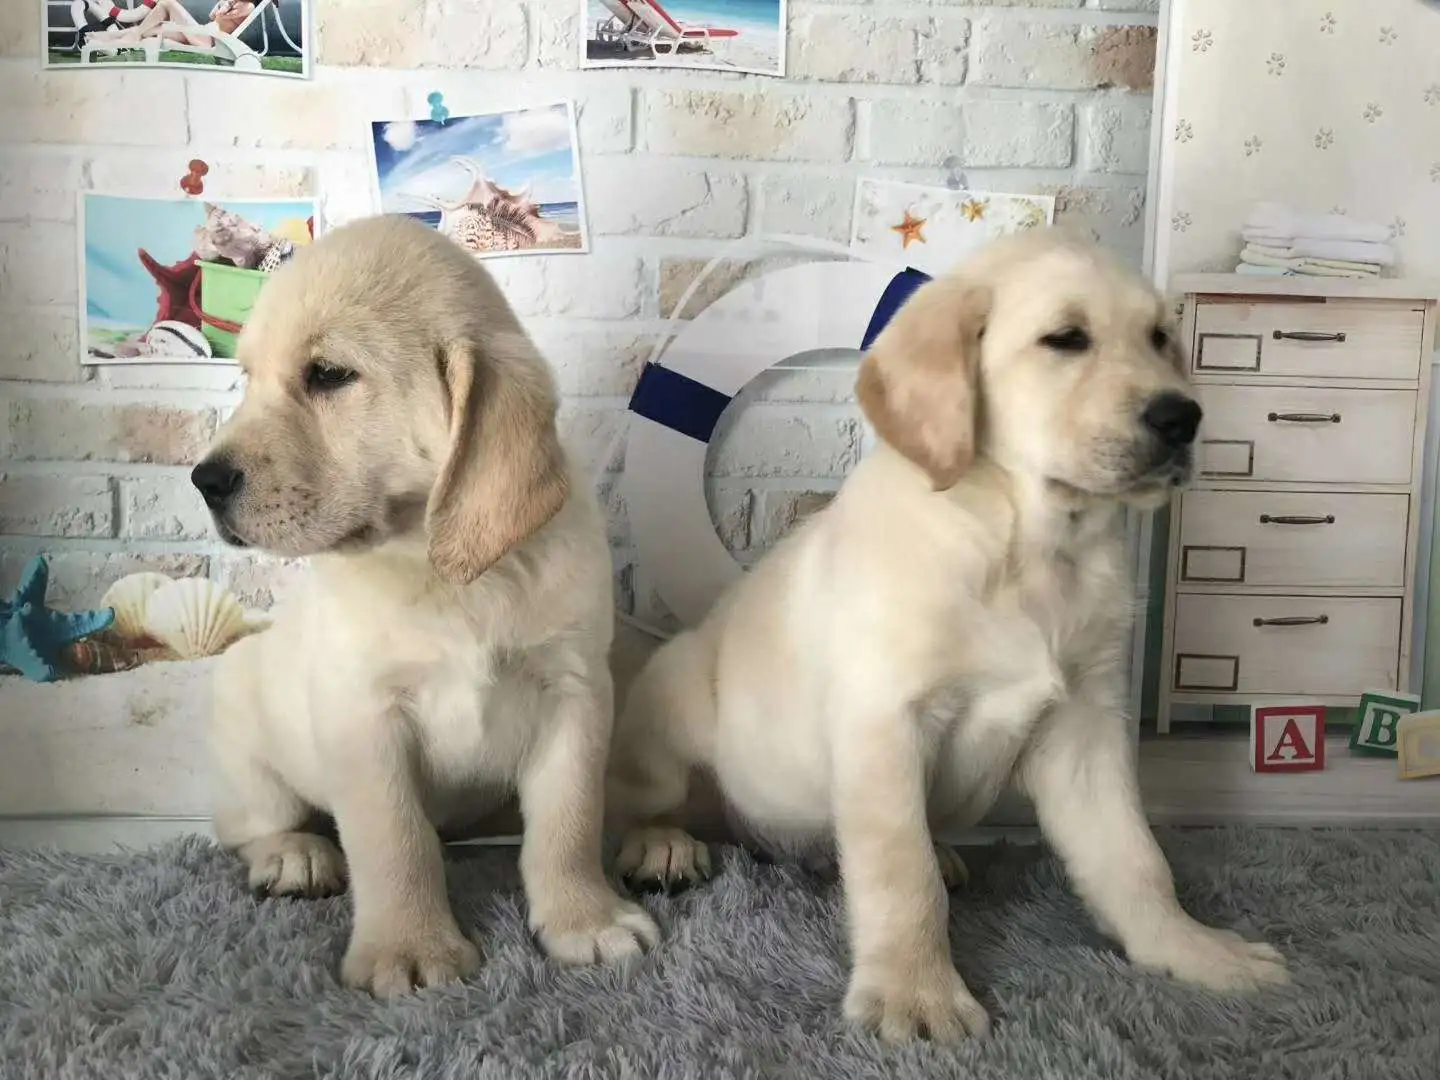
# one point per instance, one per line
(677, 403)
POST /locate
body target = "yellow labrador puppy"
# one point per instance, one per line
(954, 622)
(451, 642)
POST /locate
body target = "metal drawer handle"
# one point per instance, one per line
(1294, 620)
(1307, 335)
(1296, 519)
(1304, 417)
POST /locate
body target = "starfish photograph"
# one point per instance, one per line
(937, 226)
(909, 230)
(32, 636)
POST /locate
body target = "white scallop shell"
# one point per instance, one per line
(194, 618)
(130, 596)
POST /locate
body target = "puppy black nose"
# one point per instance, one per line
(1173, 417)
(217, 480)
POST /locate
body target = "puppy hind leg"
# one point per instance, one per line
(263, 821)
(662, 734)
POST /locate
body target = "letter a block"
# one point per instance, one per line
(1377, 721)
(1287, 738)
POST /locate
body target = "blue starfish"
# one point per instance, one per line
(32, 636)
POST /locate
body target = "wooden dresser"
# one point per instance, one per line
(1292, 557)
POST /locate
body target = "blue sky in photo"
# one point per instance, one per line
(513, 149)
(117, 287)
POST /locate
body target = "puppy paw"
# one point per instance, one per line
(662, 860)
(1218, 960)
(608, 931)
(393, 968)
(295, 864)
(953, 870)
(899, 1004)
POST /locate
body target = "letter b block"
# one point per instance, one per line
(1376, 722)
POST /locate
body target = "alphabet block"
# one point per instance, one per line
(1418, 738)
(1377, 719)
(1287, 738)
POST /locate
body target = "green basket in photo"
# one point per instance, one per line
(226, 295)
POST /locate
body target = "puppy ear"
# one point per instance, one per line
(918, 385)
(504, 474)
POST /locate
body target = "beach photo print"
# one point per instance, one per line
(719, 35)
(263, 37)
(497, 184)
(172, 281)
(932, 228)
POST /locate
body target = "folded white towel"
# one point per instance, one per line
(1255, 257)
(1330, 268)
(1283, 219)
(1251, 270)
(1305, 247)
(1273, 249)
(1250, 256)
(1342, 264)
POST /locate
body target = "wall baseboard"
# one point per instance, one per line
(1185, 780)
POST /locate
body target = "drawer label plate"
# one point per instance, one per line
(1206, 671)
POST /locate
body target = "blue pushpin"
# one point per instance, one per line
(438, 112)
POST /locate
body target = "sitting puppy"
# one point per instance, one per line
(954, 622)
(451, 643)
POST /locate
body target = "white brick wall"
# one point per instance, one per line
(1048, 96)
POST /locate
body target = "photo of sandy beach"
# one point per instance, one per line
(719, 35)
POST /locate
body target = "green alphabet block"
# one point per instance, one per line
(1376, 719)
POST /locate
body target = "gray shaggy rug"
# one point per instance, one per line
(160, 966)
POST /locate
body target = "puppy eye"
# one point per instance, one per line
(320, 377)
(1159, 338)
(1071, 339)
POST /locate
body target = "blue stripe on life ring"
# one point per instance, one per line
(895, 294)
(678, 402)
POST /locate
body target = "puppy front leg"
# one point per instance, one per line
(903, 982)
(405, 934)
(1081, 773)
(574, 913)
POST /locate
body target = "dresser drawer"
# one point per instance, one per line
(1297, 433)
(1328, 645)
(1293, 538)
(1371, 339)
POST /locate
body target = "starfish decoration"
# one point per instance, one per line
(973, 209)
(32, 637)
(909, 230)
(176, 283)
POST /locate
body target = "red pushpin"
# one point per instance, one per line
(193, 182)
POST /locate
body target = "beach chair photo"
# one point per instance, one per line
(645, 25)
(226, 48)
